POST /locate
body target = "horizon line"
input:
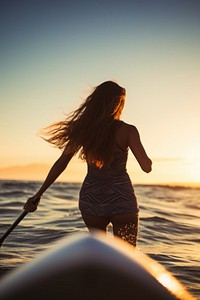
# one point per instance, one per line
(191, 184)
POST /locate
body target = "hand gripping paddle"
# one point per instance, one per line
(23, 214)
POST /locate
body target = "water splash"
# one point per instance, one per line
(128, 233)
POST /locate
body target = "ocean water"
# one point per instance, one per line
(168, 230)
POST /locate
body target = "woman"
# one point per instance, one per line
(95, 129)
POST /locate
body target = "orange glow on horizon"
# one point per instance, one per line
(173, 172)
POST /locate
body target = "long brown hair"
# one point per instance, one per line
(91, 128)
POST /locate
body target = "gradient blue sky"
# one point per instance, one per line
(53, 52)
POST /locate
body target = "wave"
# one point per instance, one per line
(168, 227)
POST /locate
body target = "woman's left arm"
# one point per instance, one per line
(138, 150)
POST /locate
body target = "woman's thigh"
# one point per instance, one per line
(126, 227)
(95, 222)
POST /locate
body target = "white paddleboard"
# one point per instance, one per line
(92, 266)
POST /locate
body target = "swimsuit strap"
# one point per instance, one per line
(120, 147)
(119, 126)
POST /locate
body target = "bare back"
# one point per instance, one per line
(121, 137)
(127, 136)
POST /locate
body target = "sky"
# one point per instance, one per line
(53, 53)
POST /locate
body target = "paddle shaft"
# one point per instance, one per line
(23, 214)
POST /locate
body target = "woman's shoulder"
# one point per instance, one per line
(125, 133)
(129, 128)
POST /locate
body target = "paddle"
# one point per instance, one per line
(23, 214)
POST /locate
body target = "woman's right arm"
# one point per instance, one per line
(58, 167)
(138, 150)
